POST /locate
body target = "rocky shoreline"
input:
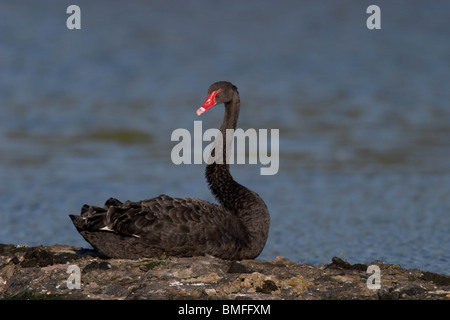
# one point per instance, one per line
(68, 272)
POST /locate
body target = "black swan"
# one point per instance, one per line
(164, 226)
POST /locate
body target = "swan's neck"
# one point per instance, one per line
(218, 175)
(245, 204)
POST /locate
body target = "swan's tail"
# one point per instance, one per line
(93, 218)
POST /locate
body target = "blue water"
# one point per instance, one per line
(363, 115)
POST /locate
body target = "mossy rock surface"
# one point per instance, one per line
(42, 273)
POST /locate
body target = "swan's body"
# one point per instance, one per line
(234, 230)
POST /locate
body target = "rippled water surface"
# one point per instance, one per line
(363, 115)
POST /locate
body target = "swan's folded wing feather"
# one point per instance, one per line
(156, 215)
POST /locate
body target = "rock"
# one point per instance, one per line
(438, 279)
(282, 261)
(298, 284)
(237, 267)
(210, 292)
(268, 286)
(42, 273)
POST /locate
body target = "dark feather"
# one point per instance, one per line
(236, 229)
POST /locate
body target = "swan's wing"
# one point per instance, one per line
(149, 217)
(174, 226)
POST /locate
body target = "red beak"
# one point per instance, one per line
(209, 102)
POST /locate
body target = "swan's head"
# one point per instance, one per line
(218, 92)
